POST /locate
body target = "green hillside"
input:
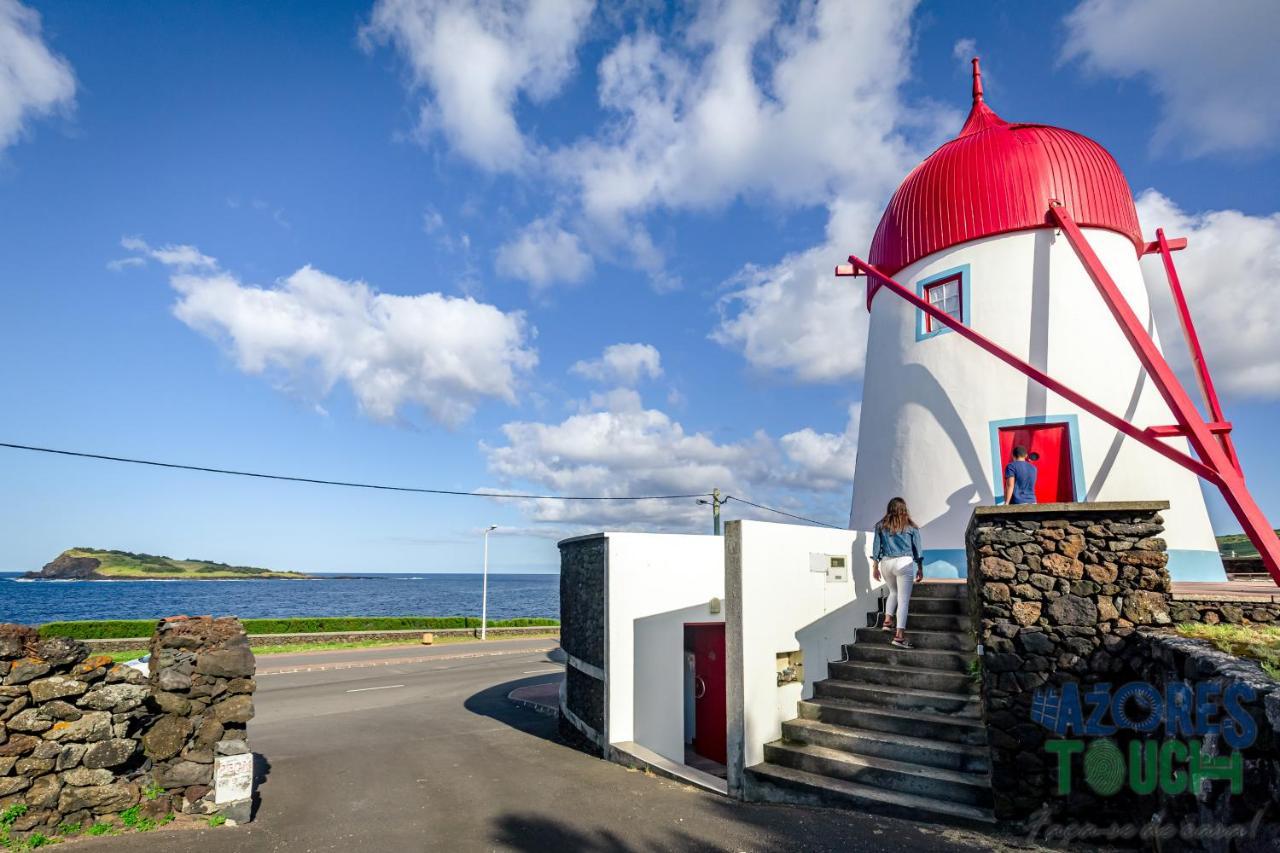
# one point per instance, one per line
(1239, 543)
(98, 564)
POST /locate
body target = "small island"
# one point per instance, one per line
(100, 565)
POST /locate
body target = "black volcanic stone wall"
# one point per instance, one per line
(582, 617)
(583, 565)
(1055, 592)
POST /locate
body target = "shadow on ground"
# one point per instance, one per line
(492, 702)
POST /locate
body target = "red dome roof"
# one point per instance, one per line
(997, 177)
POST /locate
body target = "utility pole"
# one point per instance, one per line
(715, 503)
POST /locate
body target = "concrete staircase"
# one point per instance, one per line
(891, 730)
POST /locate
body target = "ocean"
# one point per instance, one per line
(510, 596)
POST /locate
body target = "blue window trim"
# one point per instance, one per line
(922, 319)
(1073, 431)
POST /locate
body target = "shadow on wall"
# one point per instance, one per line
(823, 639)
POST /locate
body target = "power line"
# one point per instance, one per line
(319, 482)
(780, 512)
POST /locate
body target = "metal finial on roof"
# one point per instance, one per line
(977, 81)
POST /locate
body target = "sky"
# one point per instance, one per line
(544, 247)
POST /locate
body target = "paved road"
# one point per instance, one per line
(428, 754)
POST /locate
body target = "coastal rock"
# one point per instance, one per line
(235, 662)
(30, 721)
(114, 697)
(18, 745)
(101, 799)
(109, 753)
(66, 567)
(167, 737)
(182, 774)
(93, 726)
(61, 651)
(234, 709)
(82, 776)
(56, 687)
(26, 669)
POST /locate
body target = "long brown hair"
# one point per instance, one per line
(897, 517)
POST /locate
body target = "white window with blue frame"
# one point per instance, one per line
(948, 292)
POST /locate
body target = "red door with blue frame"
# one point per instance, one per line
(1049, 449)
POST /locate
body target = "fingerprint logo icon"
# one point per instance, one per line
(1104, 767)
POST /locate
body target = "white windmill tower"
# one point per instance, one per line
(986, 232)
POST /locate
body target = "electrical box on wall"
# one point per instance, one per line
(834, 566)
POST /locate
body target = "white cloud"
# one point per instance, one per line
(965, 49)
(311, 331)
(475, 60)
(624, 363)
(543, 254)
(823, 459)
(617, 447)
(181, 256)
(1227, 272)
(33, 80)
(796, 317)
(1209, 64)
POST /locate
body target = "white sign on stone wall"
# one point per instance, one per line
(232, 778)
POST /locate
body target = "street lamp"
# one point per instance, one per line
(484, 590)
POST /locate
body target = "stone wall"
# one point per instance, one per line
(1055, 590)
(1225, 608)
(83, 739)
(1078, 595)
(410, 636)
(583, 564)
(1162, 659)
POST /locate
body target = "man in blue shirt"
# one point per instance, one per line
(1019, 479)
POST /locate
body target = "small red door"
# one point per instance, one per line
(710, 706)
(1049, 449)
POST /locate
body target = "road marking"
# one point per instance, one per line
(541, 671)
(384, 687)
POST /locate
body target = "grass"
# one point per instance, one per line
(123, 629)
(1239, 543)
(128, 564)
(332, 645)
(217, 820)
(1258, 642)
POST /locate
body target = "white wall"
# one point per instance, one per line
(656, 583)
(928, 404)
(777, 604)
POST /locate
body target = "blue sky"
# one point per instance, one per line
(541, 247)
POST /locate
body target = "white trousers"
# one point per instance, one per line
(899, 575)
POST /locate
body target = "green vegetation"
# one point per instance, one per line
(217, 820)
(152, 791)
(1237, 543)
(122, 629)
(1259, 642)
(101, 829)
(126, 564)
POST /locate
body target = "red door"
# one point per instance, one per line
(710, 706)
(1049, 449)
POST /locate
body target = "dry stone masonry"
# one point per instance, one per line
(1079, 595)
(83, 738)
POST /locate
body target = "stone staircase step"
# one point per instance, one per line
(952, 786)
(842, 712)
(961, 704)
(940, 589)
(943, 606)
(935, 622)
(947, 641)
(788, 785)
(923, 678)
(926, 751)
(891, 656)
